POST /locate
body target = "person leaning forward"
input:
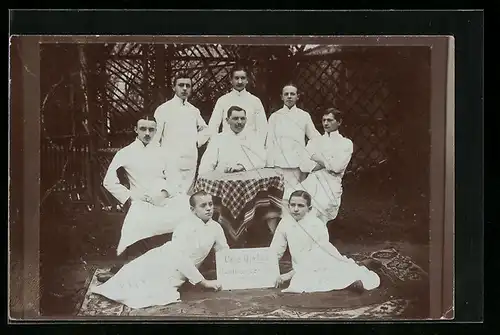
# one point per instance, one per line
(155, 206)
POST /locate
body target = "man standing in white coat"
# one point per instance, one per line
(326, 160)
(156, 205)
(239, 96)
(181, 131)
(286, 140)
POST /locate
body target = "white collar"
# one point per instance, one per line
(200, 221)
(139, 144)
(239, 93)
(179, 100)
(333, 134)
(302, 221)
(286, 109)
(240, 135)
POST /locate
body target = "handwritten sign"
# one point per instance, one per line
(247, 268)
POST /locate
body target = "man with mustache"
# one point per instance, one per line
(234, 150)
(181, 130)
(156, 205)
(239, 96)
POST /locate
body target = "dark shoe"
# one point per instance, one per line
(356, 287)
(104, 277)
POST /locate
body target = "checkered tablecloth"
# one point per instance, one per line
(238, 189)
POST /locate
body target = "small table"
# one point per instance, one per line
(238, 195)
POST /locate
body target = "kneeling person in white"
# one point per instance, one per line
(317, 264)
(156, 207)
(154, 278)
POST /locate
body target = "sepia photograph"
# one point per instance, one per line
(233, 178)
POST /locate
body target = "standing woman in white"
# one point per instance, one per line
(181, 131)
(239, 96)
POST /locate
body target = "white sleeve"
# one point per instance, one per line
(203, 130)
(270, 144)
(160, 126)
(210, 157)
(337, 161)
(254, 154)
(111, 181)
(311, 131)
(261, 121)
(279, 241)
(180, 240)
(216, 118)
(220, 239)
(306, 163)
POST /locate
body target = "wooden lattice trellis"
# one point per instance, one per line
(130, 79)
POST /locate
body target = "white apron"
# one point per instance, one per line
(145, 220)
(181, 129)
(145, 170)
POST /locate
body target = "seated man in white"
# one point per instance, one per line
(235, 149)
(156, 207)
(153, 279)
(326, 159)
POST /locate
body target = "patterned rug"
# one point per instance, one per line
(387, 301)
(398, 267)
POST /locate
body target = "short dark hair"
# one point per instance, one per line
(238, 67)
(290, 84)
(235, 108)
(192, 198)
(337, 113)
(147, 116)
(181, 75)
(302, 194)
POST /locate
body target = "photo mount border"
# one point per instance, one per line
(442, 145)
